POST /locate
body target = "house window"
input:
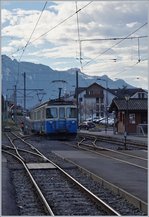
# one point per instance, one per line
(97, 100)
(141, 95)
(80, 99)
(132, 119)
(90, 92)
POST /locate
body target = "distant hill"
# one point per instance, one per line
(40, 76)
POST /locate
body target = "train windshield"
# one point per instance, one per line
(51, 113)
(71, 112)
(62, 112)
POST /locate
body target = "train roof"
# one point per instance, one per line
(60, 102)
(54, 102)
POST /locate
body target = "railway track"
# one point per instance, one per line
(125, 157)
(53, 184)
(114, 142)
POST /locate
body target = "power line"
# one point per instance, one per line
(116, 38)
(63, 21)
(24, 48)
(115, 44)
(33, 30)
(132, 66)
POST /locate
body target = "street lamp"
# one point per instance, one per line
(127, 97)
(106, 113)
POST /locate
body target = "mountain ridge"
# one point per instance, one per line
(40, 76)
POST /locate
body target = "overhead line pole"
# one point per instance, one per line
(77, 98)
(15, 104)
(24, 110)
(24, 97)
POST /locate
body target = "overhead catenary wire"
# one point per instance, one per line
(114, 45)
(130, 67)
(24, 48)
(113, 38)
(33, 30)
(77, 11)
(54, 27)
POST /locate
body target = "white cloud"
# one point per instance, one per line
(130, 25)
(101, 19)
(6, 16)
(7, 50)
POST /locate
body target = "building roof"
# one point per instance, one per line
(133, 105)
(121, 93)
(95, 84)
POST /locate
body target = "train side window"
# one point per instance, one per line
(32, 116)
(42, 114)
(71, 112)
(35, 115)
(38, 115)
(54, 112)
(62, 112)
(51, 113)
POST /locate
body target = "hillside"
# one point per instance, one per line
(40, 76)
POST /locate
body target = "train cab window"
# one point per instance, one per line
(62, 112)
(51, 113)
(71, 112)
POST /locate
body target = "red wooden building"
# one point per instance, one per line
(130, 115)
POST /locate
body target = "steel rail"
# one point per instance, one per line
(23, 150)
(111, 150)
(42, 198)
(106, 155)
(100, 202)
(95, 146)
(143, 206)
(114, 151)
(113, 139)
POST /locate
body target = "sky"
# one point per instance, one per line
(102, 38)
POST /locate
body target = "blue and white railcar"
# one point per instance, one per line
(55, 118)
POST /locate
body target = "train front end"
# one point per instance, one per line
(61, 120)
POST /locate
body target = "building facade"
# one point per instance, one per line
(94, 101)
(131, 111)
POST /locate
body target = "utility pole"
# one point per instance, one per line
(127, 97)
(77, 97)
(15, 104)
(24, 97)
(6, 104)
(24, 110)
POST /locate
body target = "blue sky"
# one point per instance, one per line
(55, 43)
(26, 5)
